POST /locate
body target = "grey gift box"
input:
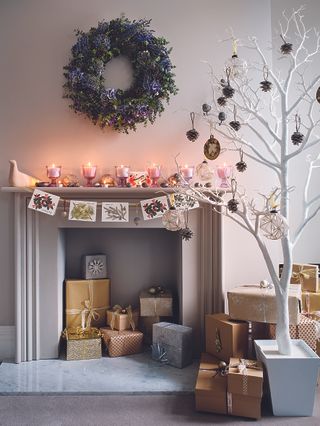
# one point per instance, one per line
(176, 340)
(94, 266)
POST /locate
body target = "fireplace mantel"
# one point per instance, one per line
(201, 290)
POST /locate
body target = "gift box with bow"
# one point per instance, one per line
(119, 318)
(78, 344)
(120, 343)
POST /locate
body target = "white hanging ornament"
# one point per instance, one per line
(274, 225)
(203, 171)
(238, 66)
(172, 219)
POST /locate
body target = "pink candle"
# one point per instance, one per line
(187, 171)
(89, 171)
(122, 171)
(53, 171)
(154, 171)
(224, 172)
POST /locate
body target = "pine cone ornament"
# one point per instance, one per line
(297, 138)
(186, 233)
(222, 116)
(241, 166)
(265, 86)
(206, 108)
(235, 124)
(286, 48)
(232, 205)
(192, 135)
(228, 91)
(222, 101)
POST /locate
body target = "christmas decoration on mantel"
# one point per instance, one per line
(153, 81)
(266, 110)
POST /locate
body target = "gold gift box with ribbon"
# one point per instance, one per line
(307, 276)
(86, 303)
(79, 344)
(119, 318)
(245, 388)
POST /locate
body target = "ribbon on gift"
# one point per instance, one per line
(242, 367)
(80, 333)
(159, 353)
(88, 312)
(117, 310)
(303, 274)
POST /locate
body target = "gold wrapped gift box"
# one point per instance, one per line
(119, 343)
(306, 275)
(117, 320)
(252, 303)
(310, 301)
(159, 304)
(86, 302)
(226, 337)
(79, 344)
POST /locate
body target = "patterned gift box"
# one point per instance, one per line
(79, 344)
(159, 304)
(86, 303)
(305, 330)
(226, 337)
(252, 303)
(211, 386)
(119, 318)
(245, 380)
(120, 343)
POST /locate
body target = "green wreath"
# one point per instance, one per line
(153, 80)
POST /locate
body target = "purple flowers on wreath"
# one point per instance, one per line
(152, 70)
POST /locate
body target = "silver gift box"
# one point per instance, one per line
(94, 266)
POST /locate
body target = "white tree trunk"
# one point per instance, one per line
(282, 329)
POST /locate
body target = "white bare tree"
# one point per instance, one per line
(269, 118)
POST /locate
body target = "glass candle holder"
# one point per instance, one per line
(122, 174)
(89, 173)
(154, 174)
(187, 172)
(224, 173)
(53, 173)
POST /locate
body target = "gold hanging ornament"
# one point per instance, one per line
(238, 66)
(212, 148)
(172, 218)
(272, 223)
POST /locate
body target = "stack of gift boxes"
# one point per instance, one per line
(92, 325)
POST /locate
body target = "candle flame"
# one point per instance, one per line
(89, 164)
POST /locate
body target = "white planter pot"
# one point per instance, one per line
(292, 378)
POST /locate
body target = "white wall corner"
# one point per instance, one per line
(7, 341)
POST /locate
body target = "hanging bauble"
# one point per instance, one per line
(274, 225)
(222, 116)
(265, 85)
(232, 204)
(241, 165)
(203, 172)
(222, 101)
(227, 90)
(186, 233)
(297, 137)
(318, 95)
(238, 66)
(285, 48)
(235, 124)
(172, 219)
(212, 148)
(192, 134)
(206, 108)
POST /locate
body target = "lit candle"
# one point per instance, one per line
(154, 171)
(89, 171)
(53, 171)
(122, 171)
(224, 173)
(187, 171)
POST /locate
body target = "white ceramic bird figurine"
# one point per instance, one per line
(17, 178)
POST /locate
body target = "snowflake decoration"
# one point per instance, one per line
(95, 266)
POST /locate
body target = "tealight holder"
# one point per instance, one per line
(187, 173)
(224, 173)
(122, 174)
(154, 174)
(53, 173)
(89, 173)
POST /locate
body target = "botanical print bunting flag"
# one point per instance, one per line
(44, 202)
(83, 210)
(184, 201)
(115, 212)
(154, 207)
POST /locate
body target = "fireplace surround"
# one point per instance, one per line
(39, 253)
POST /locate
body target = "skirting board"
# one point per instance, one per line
(7, 341)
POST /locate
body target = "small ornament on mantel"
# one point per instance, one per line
(285, 48)
(212, 148)
(297, 137)
(265, 85)
(192, 134)
(227, 90)
(235, 124)
(241, 165)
